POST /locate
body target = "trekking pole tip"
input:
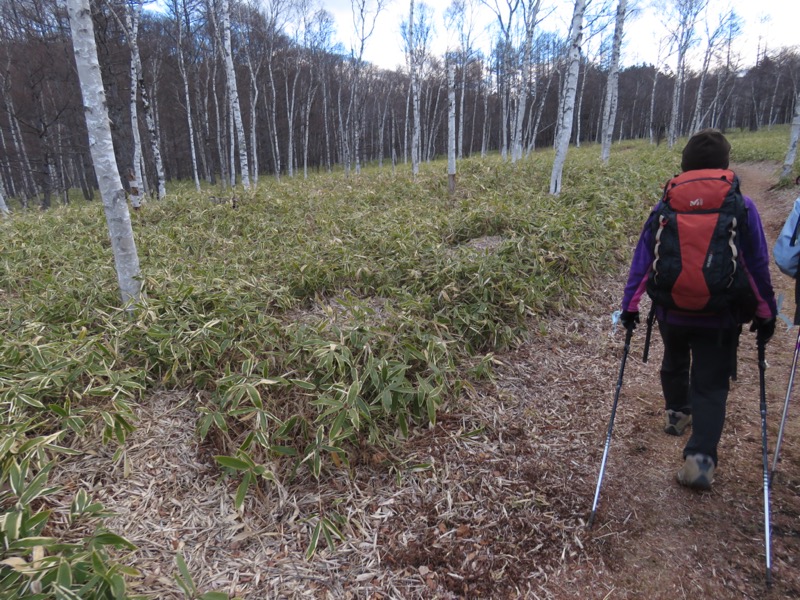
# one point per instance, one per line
(591, 520)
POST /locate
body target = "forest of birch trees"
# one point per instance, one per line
(227, 91)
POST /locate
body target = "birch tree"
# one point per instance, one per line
(530, 14)
(612, 88)
(794, 137)
(130, 25)
(5, 168)
(568, 99)
(147, 108)
(411, 52)
(253, 48)
(102, 148)
(714, 39)
(506, 18)
(275, 14)
(3, 206)
(181, 11)
(292, 64)
(725, 77)
(460, 15)
(655, 130)
(451, 126)
(318, 34)
(233, 93)
(364, 20)
(686, 14)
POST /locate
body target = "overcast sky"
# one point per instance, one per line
(770, 22)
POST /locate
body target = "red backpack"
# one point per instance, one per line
(697, 237)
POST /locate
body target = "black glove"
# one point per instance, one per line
(629, 319)
(764, 329)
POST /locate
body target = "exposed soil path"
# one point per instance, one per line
(492, 502)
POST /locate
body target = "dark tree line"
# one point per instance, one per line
(308, 104)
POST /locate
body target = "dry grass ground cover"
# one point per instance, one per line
(490, 498)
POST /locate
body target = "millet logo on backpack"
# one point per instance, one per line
(696, 202)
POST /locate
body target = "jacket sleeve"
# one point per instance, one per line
(640, 268)
(755, 254)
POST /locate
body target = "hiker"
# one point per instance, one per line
(700, 319)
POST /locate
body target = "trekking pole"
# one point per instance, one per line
(625, 350)
(785, 409)
(762, 366)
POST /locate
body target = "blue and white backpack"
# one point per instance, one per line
(786, 251)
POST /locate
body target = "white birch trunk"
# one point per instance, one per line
(713, 41)
(6, 168)
(232, 135)
(325, 110)
(273, 116)
(612, 89)
(435, 120)
(135, 177)
(254, 132)
(102, 148)
(412, 59)
(530, 13)
(697, 116)
(406, 122)
(687, 14)
(451, 127)
(291, 106)
(3, 206)
(505, 96)
(791, 153)
(220, 126)
(539, 111)
(579, 109)
(344, 137)
(203, 130)
(30, 189)
(234, 94)
(677, 92)
(393, 141)
(358, 123)
(152, 132)
(188, 100)
(460, 143)
(485, 128)
(568, 101)
(653, 127)
(312, 92)
(254, 95)
(382, 131)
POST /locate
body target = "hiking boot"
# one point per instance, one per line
(676, 422)
(697, 472)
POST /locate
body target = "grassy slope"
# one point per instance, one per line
(315, 313)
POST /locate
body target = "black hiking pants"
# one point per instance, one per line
(695, 378)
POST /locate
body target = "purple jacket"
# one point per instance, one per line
(755, 256)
